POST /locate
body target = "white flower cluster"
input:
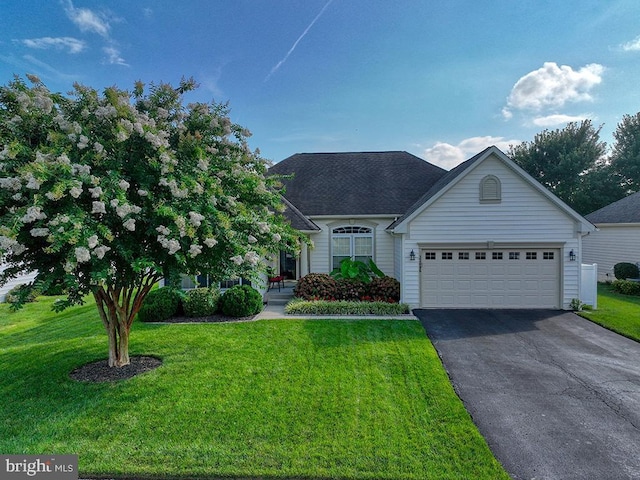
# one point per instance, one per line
(10, 245)
(276, 237)
(263, 227)
(123, 184)
(210, 242)
(195, 219)
(106, 111)
(10, 183)
(39, 232)
(167, 162)
(195, 250)
(125, 209)
(173, 187)
(83, 142)
(252, 239)
(203, 164)
(76, 190)
(95, 192)
(252, 258)
(98, 207)
(170, 244)
(42, 101)
(130, 225)
(238, 260)
(33, 214)
(77, 169)
(82, 254)
(32, 182)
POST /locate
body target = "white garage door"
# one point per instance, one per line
(481, 278)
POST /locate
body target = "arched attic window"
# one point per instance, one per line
(490, 189)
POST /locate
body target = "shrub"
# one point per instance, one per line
(241, 301)
(350, 289)
(161, 304)
(625, 270)
(626, 287)
(342, 307)
(201, 302)
(316, 286)
(21, 294)
(385, 289)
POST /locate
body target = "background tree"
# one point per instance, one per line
(109, 192)
(625, 157)
(570, 162)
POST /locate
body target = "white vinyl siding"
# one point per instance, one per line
(609, 245)
(523, 216)
(383, 243)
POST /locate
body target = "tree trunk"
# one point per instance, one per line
(118, 307)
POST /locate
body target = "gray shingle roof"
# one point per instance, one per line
(356, 183)
(626, 210)
(444, 180)
(297, 219)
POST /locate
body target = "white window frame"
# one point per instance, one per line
(351, 232)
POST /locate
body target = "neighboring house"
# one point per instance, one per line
(617, 238)
(484, 235)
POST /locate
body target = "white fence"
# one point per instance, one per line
(589, 284)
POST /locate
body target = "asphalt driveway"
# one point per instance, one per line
(555, 396)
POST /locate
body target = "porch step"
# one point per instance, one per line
(274, 297)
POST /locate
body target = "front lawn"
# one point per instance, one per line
(617, 312)
(277, 399)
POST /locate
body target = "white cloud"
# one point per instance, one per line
(72, 45)
(113, 56)
(632, 46)
(87, 20)
(448, 156)
(553, 86)
(553, 120)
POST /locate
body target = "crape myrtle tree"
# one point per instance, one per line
(107, 193)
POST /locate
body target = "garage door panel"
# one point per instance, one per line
(520, 278)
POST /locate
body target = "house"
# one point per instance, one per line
(483, 235)
(617, 238)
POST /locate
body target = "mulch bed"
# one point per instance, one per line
(100, 371)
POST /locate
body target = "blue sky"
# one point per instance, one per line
(439, 79)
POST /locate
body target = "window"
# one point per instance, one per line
(351, 242)
(481, 255)
(463, 255)
(430, 255)
(447, 255)
(548, 255)
(496, 255)
(532, 255)
(514, 255)
(490, 189)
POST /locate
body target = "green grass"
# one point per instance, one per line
(617, 312)
(270, 399)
